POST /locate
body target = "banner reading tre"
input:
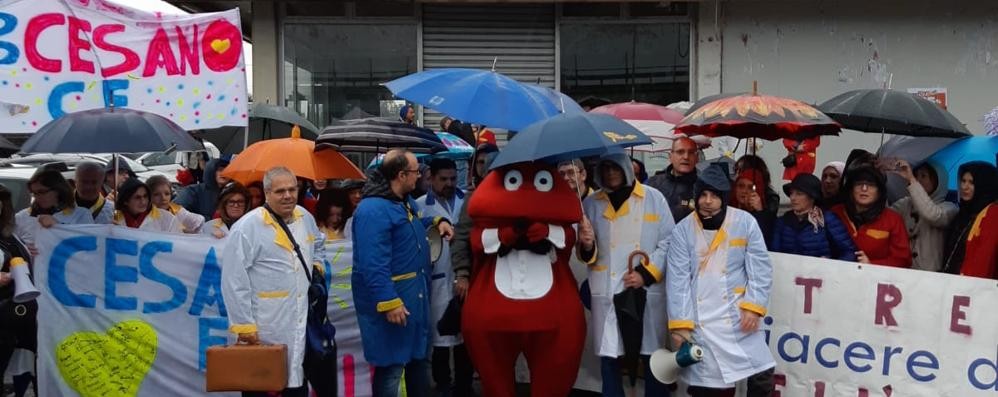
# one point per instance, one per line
(844, 329)
(125, 312)
(61, 56)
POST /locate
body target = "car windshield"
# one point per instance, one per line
(161, 158)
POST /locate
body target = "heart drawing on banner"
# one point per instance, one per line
(220, 46)
(111, 364)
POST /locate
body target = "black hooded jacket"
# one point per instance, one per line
(678, 191)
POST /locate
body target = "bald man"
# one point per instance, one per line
(676, 183)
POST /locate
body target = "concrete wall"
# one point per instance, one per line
(266, 70)
(813, 50)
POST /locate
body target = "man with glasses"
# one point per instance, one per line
(676, 182)
(391, 276)
(263, 284)
(574, 172)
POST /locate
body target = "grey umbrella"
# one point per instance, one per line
(265, 122)
(110, 130)
(7, 148)
(892, 112)
(914, 150)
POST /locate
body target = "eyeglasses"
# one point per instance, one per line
(41, 192)
(408, 171)
(235, 203)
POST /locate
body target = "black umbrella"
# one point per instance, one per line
(376, 135)
(629, 306)
(7, 148)
(892, 112)
(708, 99)
(110, 130)
(265, 122)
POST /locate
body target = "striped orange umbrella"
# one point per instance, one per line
(296, 154)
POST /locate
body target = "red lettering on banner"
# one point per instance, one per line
(77, 44)
(32, 31)
(188, 52)
(819, 389)
(131, 61)
(888, 391)
(160, 55)
(863, 392)
(779, 381)
(809, 285)
(958, 314)
(888, 297)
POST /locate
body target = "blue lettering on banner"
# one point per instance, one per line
(209, 289)
(57, 271)
(110, 86)
(149, 271)
(804, 342)
(888, 353)
(818, 348)
(11, 52)
(206, 339)
(60, 91)
(972, 374)
(113, 274)
(913, 362)
(851, 353)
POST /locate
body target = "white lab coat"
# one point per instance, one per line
(190, 221)
(707, 290)
(104, 210)
(442, 278)
(215, 225)
(264, 284)
(157, 221)
(26, 226)
(644, 222)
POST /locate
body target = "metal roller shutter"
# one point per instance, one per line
(472, 36)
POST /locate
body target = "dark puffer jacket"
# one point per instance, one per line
(678, 191)
(798, 237)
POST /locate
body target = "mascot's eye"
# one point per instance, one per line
(543, 181)
(513, 180)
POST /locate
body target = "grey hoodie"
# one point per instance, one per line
(926, 217)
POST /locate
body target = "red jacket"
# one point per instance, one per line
(885, 240)
(806, 158)
(981, 259)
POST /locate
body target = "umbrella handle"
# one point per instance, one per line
(637, 253)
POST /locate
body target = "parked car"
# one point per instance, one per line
(171, 162)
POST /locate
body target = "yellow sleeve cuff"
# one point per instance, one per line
(17, 261)
(389, 305)
(592, 261)
(242, 328)
(654, 270)
(437, 220)
(681, 324)
(752, 307)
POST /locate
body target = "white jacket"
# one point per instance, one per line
(157, 221)
(926, 219)
(26, 226)
(442, 278)
(104, 210)
(264, 285)
(189, 221)
(215, 225)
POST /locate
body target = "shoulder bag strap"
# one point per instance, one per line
(291, 237)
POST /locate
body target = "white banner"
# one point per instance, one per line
(125, 312)
(844, 329)
(61, 56)
(354, 379)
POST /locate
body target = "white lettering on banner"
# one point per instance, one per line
(842, 329)
(61, 56)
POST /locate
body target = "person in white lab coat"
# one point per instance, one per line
(232, 204)
(52, 203)
(135, 210)
(162, 198)
(444, 200)
(264, 284)
(719, 279)
(623, 217)
(89, 178)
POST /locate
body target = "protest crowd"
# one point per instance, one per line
(536, 258)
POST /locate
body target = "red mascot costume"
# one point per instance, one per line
(523, 297)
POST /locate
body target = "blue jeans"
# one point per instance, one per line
(417, 379)
(613, 385)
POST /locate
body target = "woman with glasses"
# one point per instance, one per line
(232, 205)
(135, 210)
(878, 231)
(53, 202)
(162, 198)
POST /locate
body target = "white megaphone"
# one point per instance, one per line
(24, 289)
(665, 365)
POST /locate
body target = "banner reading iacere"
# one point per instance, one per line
(61, 56)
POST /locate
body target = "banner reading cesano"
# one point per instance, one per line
(845, 329)
(61, 56)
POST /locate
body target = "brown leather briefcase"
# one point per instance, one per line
(246, 368)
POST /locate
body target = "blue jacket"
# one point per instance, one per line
(793, 237)
(391, 268)
(202, 198)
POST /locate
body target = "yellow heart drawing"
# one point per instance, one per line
(220, 46)
(112, 364)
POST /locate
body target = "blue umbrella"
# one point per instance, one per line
(975, 148)
(477, 96)
(570, 136)
(563, 102)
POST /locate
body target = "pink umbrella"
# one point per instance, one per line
(656, 121)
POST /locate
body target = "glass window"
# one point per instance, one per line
(315, 9)
(646, 62)
(591, 10)
(332, 70)
(658, 9)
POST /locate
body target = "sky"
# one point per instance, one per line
(164, 7)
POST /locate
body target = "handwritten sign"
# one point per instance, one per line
(126, 312)
(61, 56)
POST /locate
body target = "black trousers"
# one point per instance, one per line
(319, 373)
(464, 371)
(289, 392)
(759, 385)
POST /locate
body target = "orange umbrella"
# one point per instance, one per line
(296, 154)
